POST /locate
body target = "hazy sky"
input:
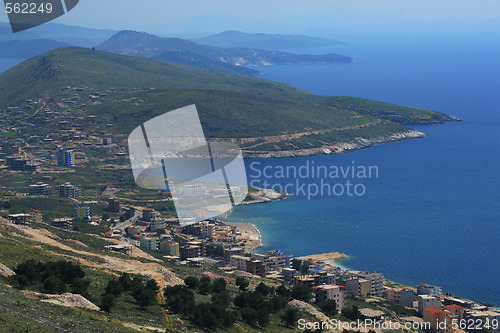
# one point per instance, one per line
(143, 14)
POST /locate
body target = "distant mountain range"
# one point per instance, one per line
(262, 116)
(271, 42)
(73, 35)
(168, 49)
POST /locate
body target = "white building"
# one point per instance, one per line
(240, 262)
(149, 243)
(427, 289)
(330, 292)
(429, 301)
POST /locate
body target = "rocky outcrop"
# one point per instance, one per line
(6, 271)
(339, 148)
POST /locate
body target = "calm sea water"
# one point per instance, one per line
(6, 63)
(432, 215)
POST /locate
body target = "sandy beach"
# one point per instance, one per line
(250, 233)
(330, 258)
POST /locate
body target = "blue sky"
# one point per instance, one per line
(183, 15)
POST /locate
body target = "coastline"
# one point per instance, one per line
(339, 148)
(250, 233)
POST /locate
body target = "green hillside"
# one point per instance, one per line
(230, 106)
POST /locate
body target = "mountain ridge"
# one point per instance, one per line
(234, 38)
(231, 107)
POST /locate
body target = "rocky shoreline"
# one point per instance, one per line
(340, 148)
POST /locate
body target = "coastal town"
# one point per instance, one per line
(74, 175)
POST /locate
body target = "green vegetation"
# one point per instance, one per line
(229, 105)
(258, 308)
(52, 277)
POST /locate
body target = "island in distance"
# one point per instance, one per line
(272, 42)
(236, 59)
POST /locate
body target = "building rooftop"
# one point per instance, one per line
(435, 311)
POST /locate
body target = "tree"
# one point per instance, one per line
(151, 284)
(249, 315)
(242, 283)
(302, 293)
(54, 285)
(283, 291)
(107, 302)
(329, 307)
(114, 287)
(351, 312)
(264, 289)
(145, 297)
(204, 317)
(223, 299)
(219, 285)
(290, 317)
(263, 316)
(205, 285)
(80, 286)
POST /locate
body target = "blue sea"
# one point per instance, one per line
(432, 213)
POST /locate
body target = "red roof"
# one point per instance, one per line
(435, 311)
(454, 306)
(148, 209)
(422, 285)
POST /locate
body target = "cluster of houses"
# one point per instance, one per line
(447, 313)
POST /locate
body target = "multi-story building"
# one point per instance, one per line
(19, 163)
(240, 262)
(440, 320)
(427, 289)
(429, 301)
(207, 230)
(330, 292)
(484, 321)
(114, 205)
(256, 267)
(148, 214)
(36, 216)
(65, 223)
(289, 274)
(377, 282)
(228, 252)
(456, 310)
(20, 218)
(403, 296)
(273, 260)
(64, 157)
(40, 189)
(201, 245)
(67, 190)
(169, 247)
(189, 251)
(192, 229)
(149, 243)
(82, 213)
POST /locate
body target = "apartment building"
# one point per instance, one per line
(330, 292)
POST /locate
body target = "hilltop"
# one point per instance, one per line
(261, 115)
(145, 45)
(264, 41)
